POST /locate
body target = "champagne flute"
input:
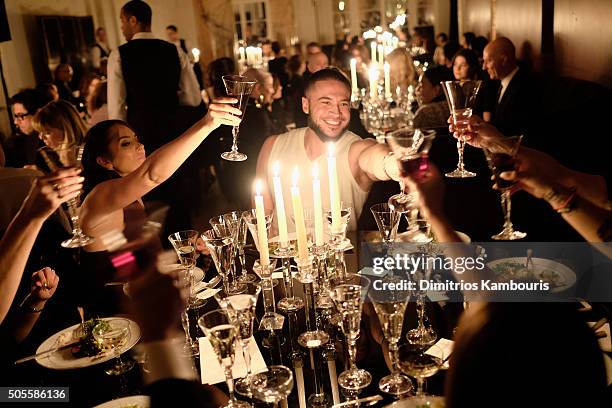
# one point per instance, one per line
(461, 98)
(68, 156)
(241, 309)
(502, 157)
(239, 87)
(235, 218)
(222, 332)
(273, 385)
(390, 306)
(113, 335)
(411, 149)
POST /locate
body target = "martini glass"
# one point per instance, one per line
(184, 243)
(461, 97)
(65, 157)
(239, 87)
(411, 148)
(387, 221)
(273, 385)
(503, 158)
(420, 362)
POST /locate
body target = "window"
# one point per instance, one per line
(251, 22)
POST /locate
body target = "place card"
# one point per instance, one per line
(443, 350)
(213, 372)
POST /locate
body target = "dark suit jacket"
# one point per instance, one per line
(514, 114)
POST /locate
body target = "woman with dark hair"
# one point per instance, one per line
(433, 109)
(118, 173)
(467, 67)
(216, 70)
(467, 39)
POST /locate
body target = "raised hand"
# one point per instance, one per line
(220, 112)
(50, 191)
(44, 284)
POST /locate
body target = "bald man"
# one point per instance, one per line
(515, 100)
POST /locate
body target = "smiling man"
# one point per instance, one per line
(360, 162)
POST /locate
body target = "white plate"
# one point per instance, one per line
(141, 401)
(566, 278)
(414, 402)
(198, 273)
(65, 360)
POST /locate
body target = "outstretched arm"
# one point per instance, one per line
(118, 193)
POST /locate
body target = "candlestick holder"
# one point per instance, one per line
(318, 398)
(321, 287)
(271, 320)
(312, 337)
(337, 239)
(289, 303)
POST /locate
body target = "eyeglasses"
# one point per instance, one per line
(20, 116)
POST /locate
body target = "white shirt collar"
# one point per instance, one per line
(506, 80)
(143, 36)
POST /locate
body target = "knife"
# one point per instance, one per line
(44, 353)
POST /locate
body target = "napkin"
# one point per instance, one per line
(212, 371)
(207, 293)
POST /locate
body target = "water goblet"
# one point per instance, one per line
(461, 98)
(63, 157)
(239, 87)
(273, 385)
(411, 149)
(222, 332)
(112, 336)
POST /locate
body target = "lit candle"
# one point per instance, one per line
(283, 237)
(262, 234)
(318, 207)
(381, 55)
(373, 74)
(373, 45)
(298, 215)
(334, 192)
(354, 75)
(387, 81)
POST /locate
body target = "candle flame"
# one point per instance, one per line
(331, 149)
(276, 168)
(295, 176)
(258, 187)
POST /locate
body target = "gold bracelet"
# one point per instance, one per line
(30, 309)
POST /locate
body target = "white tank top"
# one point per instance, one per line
(289, 151)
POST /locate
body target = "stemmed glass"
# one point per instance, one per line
(112, 336)
(273, 385)
(235, 218)
(222, 332)
(422, 335)
(390, 306)
(239, 87)
(250, 218)
(387, 221)
(221, 247)
(190, 348)
(241, 309)
(184, 243)
(411, 148)
(420, 363)
(348, 293)
(63, 157)
(461, 97)
(503, 158)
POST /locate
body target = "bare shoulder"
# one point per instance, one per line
(360, 146)
(265, 151)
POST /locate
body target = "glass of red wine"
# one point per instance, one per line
(411, 148)
(461, 97)
(501, 157)
(239, 87)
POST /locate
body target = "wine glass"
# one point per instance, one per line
(221, 245)
(502, 157)
(184, 243)
(387, 221)
(241, 309)
(222, 332)
(61, 157)
(420, 362)
(461, 97)
(273, 385)
(190, 348)
(348, 293)
(235, 218)
(239, 87)
(390, 306)
(111, 336)
(411, 148)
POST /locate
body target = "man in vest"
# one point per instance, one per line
(360, 162)
(148, 79)
(100, 52)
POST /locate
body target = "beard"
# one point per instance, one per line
(322, 135)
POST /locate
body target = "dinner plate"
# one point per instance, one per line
(562, 278)
(422, 402)
(133, 401)
(65, 360)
